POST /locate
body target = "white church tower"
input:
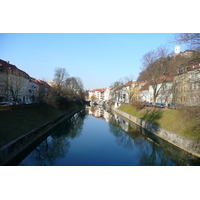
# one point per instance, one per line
(177, 50)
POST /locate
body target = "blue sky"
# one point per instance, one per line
(99, 59)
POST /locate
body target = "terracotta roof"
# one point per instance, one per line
(184, 70)
(144, 87)
(128, 83)
(189, 50)
(98, 90)
(7, 65)
(167, 79)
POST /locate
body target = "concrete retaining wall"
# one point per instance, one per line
(17, 146)
(184, 143)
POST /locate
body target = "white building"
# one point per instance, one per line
(107, 94)
(99, 94)
(144, 93)
(164, 92)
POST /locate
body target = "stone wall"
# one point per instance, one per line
(184, 143)
(11, 150)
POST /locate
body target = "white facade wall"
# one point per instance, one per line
(107, 96)
(165, 93)
(144, 95)
(98, 93)
(25, 88)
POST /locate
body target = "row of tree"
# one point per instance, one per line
(160, 65)
(65, 89)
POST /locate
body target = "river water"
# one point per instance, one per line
(95, 137)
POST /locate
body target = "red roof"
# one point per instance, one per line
(98, 90)
(7, 65)
(145, 87)
(128, 83)
(186, 69)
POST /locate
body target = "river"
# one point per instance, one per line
(95, 137)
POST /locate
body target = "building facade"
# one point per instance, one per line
(17, 86)
(187, 91)
(97, 95)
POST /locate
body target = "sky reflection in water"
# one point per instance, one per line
(97, 138)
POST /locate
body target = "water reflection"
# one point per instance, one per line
(57, 145)
(99, 112)
(152, 150)
(149, 153)
(86, 140)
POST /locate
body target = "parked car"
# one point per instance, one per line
(28, 102)
(21, 103)
(149, 105)
(5, 103)
(160, 105)
(172, 106)
(14, 103)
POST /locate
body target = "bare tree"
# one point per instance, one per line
(157, 69)
(167, 92)
(115, 91)
(93, 98)
(192, 40)
(192, 80)
(122, 90)
(15, 83)
(130, 89)
(60, 78)
(74, 87)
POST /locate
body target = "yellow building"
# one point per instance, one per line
(187, 82)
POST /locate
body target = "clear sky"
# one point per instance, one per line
(99, 59)
(97, 41)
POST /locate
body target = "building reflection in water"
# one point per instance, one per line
(99, 112)
(117, 142)
(152, 150)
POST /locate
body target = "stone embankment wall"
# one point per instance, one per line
(184, 143)
(11, 150)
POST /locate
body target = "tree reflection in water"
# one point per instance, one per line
(57, 145)
(128, 136)
(120, 142)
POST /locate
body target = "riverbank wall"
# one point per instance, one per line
(10, 151)
(179, 141)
